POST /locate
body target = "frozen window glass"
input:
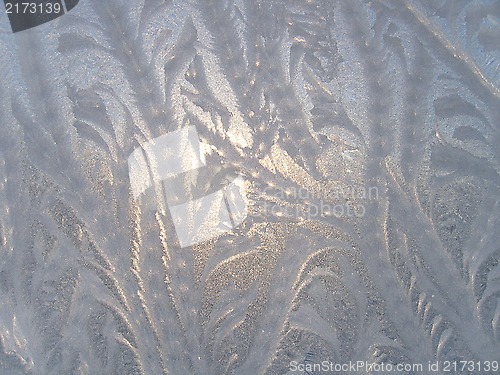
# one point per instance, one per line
(250, 187)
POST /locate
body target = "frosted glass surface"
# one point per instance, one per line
(251, 187)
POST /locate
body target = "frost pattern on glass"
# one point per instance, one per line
(366, 135)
